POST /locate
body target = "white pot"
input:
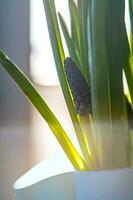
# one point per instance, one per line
(52, 179)
(60, 187)
(105, 185)
(55, 179)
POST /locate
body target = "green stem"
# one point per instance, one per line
(99, 79)
(87, 126)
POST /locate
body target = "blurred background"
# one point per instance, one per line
(25, 138)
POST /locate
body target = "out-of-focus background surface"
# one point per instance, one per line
(14, 108)
(25, 138)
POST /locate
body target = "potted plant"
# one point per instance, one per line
(92, 80)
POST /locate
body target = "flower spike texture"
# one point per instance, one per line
(79, 88)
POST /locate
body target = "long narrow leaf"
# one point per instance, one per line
(75, 32)
(83, 12)
(99, 79)
(129, 64)
(68, 41)
(117, 56)
(131, 14)
(58, 53)
(106, 62)
(128, 68)
(44, 110)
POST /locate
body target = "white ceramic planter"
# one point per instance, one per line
(55, 179)
(60, 187)
(52, 179)
(105, 185)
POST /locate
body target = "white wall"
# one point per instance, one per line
(14, 40)
(14, 109)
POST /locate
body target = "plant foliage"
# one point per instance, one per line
(102, 52)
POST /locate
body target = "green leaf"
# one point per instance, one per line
(105, 66)
(58, 53)
(99, 79)
(75, 32)
(131, 14)
(117, 57)
(128, 47)
(68, 41)
(128, 69)
(28, 89)
(83, 6)
(128, 54)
